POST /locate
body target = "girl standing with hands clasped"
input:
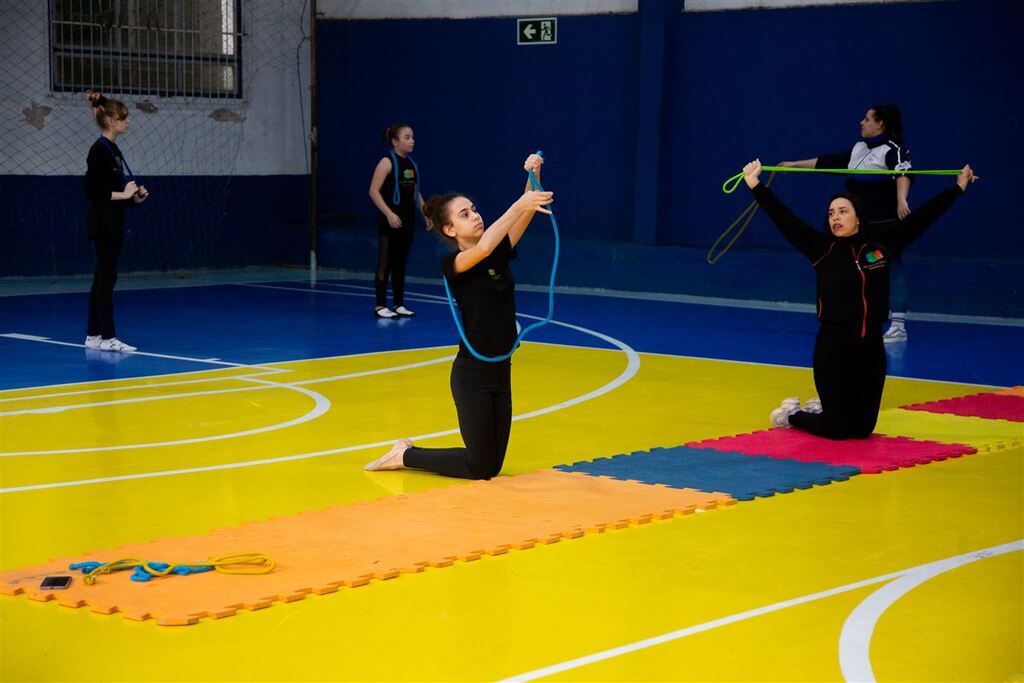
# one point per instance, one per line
(109, 187)
(851, 259)
(482, 284)
(395, 191)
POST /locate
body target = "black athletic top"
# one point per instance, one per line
(853, 272)
(406, 208)
(486, 297)
(105, 174)
(877, 193)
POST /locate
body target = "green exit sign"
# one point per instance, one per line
(537, 31)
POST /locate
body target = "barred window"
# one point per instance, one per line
(169, 48)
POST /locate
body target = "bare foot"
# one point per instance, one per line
(393, 459)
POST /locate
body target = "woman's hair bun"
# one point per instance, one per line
(96, 98)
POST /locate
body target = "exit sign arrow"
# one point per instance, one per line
(539, 31)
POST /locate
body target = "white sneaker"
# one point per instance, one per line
(385, 312)
(115, 344)
(813, 405)
(780, 416)
(404, 312)
(896, 333)
(393, 459)
(93, 341)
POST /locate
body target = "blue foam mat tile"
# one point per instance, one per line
(742, 476)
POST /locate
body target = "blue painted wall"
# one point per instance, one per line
(479, 104)
(779, 84)
(189, 222)
(793, 83)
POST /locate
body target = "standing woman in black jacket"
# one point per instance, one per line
(109, 187)
(851, 259)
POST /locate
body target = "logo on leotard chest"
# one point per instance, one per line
(493, 274)
(873, 259)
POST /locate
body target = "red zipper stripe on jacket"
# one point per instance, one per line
(863, 295)
(827, 252)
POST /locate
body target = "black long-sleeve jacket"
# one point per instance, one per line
(853, 272)
(104, 174)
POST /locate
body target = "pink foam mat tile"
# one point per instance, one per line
(992, 406)
(879, 453)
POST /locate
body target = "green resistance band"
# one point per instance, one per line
(746, 216)
(730, 185)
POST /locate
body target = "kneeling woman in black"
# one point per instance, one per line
(851, 259)
(482, 284)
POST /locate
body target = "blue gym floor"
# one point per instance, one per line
(183, 329)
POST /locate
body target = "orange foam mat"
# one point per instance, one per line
(1012, 391)
(320, 551)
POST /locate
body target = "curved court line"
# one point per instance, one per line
(632, 367)
(132, 387)
(320, 406)
(240, 378)
(123, 401)
(262, 370)
(855, 639)
(741, 616)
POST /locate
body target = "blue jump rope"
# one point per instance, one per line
(535, 185)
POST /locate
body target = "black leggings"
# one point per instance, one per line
(101, 296)
(393, 246)
(483, 399)
(849, 375)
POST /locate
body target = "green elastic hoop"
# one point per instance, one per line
(730, 185)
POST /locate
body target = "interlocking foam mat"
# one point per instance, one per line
(992, 406)
(876, 454)
(321, 550)
(984, 435)
(741, 476)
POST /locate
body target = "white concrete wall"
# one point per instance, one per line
(467, 9)
(181, 138)
(721, 5)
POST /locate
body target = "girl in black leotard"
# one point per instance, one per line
(482, 285)
(394, 190)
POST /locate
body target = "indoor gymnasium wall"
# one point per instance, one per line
(228, 178)
(626, 146)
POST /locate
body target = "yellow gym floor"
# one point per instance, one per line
(760, 590)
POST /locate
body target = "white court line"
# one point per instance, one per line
(855, 639)
(133, 387)
(263, 370)
(721, 302)
(632, 366)
(741, 616)
(210, 361)
(231, 390)
(320, 406)
(726, 303)
(805, 367)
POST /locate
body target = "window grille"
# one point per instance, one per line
(169, 48)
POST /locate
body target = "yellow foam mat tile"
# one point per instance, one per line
(321, 550)
(982, 434)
